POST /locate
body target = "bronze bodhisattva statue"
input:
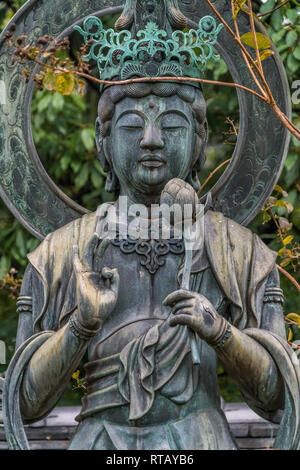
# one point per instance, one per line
(150, 347)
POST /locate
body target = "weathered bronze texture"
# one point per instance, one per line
(82, 294)
(42, 207)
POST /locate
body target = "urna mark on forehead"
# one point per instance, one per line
(153, 108)
(137, 91)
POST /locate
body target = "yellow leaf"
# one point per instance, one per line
(65, 83)
(288, 240)
(294, 317)
(281, 251)
(264, 55)
(76, 375)
(263, 41)
(49, 81)
(290, 337)
(277, 187)
(285, 262)
(237, 6)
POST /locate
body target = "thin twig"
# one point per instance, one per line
(243, 53)
(270, 99)
(274, 9)
(288, 275)
(148, 79)
(212, 174)
(258, 59)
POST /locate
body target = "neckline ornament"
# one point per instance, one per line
(151, 48)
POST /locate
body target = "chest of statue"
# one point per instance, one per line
(140, 300)
(141, 295)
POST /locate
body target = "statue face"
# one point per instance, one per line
(152, 140)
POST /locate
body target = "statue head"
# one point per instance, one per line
(147, 134)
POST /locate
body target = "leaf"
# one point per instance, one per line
(290, 335)
(292, 15)
(20, 243)
(76, 374)
(294, 317)
(266, 217)
(277, 19)
(291, 160)
(296, 52)
(288, 240)
(65, 83)
(44, 103)
(237, 6)
(49, 81)
(268, 6)
(4, 265)
(292, 63)
(285, 262)
(87, 139)
(263, 41)
(97, 179)
(281, 190)
(58, 101)
(81, 87)
(64, 162)
(265, 54)
(291, 38)
(82, 176)
(285, 225)
(287, 205)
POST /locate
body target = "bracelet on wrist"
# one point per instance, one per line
(222, 336)
(79, 330)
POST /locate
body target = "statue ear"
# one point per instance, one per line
(201, 158)
(100, 147)
(112, 182)
(192, 177)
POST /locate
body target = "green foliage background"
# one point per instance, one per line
(63, 128)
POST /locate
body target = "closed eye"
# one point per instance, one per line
(131, 127)
(172, 128)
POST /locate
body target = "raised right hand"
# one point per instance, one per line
(97, 293)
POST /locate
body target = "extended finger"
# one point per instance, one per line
(79, 267)
(102, 248)
(177, 296)
(188, 303)
(89, 252)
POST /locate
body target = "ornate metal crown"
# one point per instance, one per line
(150, 51)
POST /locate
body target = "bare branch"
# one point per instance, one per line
(274, 9)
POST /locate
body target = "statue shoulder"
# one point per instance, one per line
(241, 238)
(59, 244)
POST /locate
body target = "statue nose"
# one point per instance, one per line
(152, 138)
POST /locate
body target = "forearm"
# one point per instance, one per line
(49, 371)
(252, 367)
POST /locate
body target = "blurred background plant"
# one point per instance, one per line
(63, 129)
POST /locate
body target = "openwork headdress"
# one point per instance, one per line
(152, 47)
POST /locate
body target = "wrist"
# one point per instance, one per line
(79, 330)
(222, 336)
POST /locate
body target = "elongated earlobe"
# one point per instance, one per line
(100, 147)
(193, 179)
(112, 182)
(201, 158)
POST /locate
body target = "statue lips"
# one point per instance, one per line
(152, 161)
